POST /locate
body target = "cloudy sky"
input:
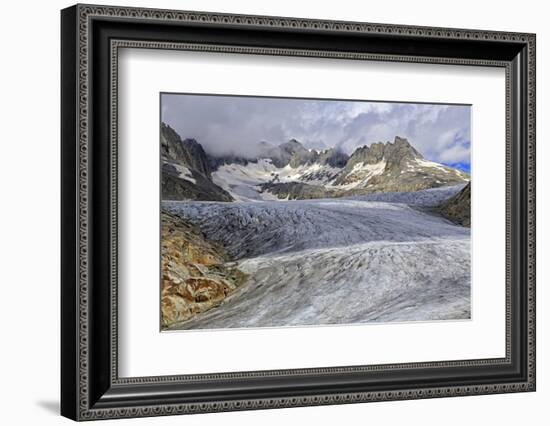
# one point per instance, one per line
(231, 124)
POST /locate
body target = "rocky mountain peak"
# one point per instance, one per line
(291, 153)
(196, 158)
(392, 152)
(292, 146)
(457, 208)
(334, 157)
(186, 173)
(401, 148)
(187, 152)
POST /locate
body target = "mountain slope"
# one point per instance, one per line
(303, 174)
(289, 171)
(457, 208)
(186, 172)
(391, 167)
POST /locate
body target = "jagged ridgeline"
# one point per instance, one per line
(291, 171)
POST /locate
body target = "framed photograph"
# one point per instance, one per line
(263, 212)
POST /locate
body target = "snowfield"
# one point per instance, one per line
(361, 174)
(382, 257)
(243, 182)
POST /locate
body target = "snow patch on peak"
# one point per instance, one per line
(425, 163)
(313, 174)
(184, 172)
(361, 173)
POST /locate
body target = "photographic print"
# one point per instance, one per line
(281, 212)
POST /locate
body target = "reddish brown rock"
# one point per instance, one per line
(195, 276)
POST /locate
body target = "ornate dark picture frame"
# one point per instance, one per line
(90, 38)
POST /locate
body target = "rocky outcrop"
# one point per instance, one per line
(393, 153)
(195, 273)
(458, 208)
(333, 157)
(300, 191)
(187, 152)
(186, 171)
(298, 154)
(200, 188)
(291, 153)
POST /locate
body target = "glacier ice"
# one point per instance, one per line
(375, 258)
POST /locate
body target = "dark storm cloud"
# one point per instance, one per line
(228, 124)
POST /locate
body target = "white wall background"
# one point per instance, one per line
(29, 213)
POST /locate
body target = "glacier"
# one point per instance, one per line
(375, 258)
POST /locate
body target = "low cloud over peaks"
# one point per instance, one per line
(235, 124)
